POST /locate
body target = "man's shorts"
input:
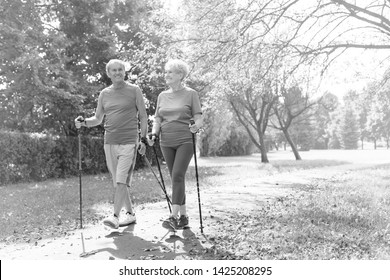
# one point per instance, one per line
(120, 162)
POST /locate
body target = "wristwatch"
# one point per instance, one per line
(144, 140)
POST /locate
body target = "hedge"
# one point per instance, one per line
(31, 157)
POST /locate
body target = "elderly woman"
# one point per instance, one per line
(175, 109)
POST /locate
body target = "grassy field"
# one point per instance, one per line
(342, 217)
(32, 211)
(347, 217)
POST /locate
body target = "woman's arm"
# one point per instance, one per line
(157, 119)
(197, 113)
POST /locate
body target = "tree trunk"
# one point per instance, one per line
(292, 144)
(276, 146)
(374, 144)
(263, 150)
(204, 147)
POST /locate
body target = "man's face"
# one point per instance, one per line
(116, 72)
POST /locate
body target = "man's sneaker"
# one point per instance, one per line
(130, 219)
(170, 223)
(183, 221)
(112, 222)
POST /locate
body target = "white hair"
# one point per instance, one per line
(112, 61)
(178, 65)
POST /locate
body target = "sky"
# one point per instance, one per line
(351, 71)
(171, 5)
(354, 70)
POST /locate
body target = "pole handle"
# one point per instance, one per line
(192, 122)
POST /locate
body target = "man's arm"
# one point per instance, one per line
(95, 119)
(142, 115)
(99, 114)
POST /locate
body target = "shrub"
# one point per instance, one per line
(25, 157)
(237, 144)
(30, 157)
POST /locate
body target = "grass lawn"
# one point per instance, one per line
(32, 211)
(341, 217)
(281, 166)
(347, 217)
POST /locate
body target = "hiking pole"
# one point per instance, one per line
(81, 193)
(159, 170)
(162, 187)
(80, 119)
(197, 178)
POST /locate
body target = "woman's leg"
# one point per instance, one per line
(182, 160)
(183, 157)
(169, 154)
(178, 160)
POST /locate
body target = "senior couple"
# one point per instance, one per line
(121, 106)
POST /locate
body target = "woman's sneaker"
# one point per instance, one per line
(130, 219)
(170, 223)
(183, 222)
(112, 222)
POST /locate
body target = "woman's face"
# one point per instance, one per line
(172, 76)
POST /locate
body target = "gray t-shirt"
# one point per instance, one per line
(121, 108)
(173, 112)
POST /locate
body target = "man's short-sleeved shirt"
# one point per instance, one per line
(121, 108)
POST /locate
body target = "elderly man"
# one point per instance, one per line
(123, 107)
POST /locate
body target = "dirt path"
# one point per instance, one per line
(239, 188)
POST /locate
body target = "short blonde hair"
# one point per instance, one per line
(112, 61)
(178, 65)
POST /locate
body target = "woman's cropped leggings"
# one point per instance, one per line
(178, 158)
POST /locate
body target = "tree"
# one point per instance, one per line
(237, 144)
(328, 28)
(217, 120)
(334, 141)
(333, 128)
(308, 29)
(299, 32)
(302, 133)
(322, 118)
(252, 92)
(378, 116)
(36, 83)
(253, 110)
(292, 105)
(361, 104)
(367, 16)
(349, 130)
(244, 74)
(54, 56)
